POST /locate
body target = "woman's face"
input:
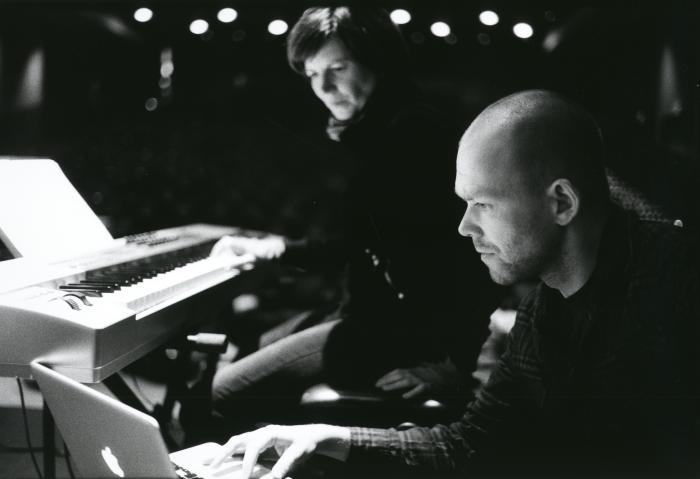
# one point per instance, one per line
(339, 81)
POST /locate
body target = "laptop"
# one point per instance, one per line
(108, 439)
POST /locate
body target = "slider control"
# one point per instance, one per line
(76, 300)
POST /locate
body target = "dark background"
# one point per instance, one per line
(236, 138)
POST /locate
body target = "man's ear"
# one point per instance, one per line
(565, 201)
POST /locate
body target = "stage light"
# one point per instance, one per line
(488, 18)
(440, 29)
(484, 39)
(199, 26)
(400, 16)
(166, 69)
(143, 14)
(151, 104)
(31, 89)
(277, 27)
(227, 15)
(522, 30)
(552, 41)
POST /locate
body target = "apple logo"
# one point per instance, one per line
(112, 462)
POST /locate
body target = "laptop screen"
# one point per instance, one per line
(106, 437)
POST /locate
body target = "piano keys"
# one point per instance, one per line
(91, 315)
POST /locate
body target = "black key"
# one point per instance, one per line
(110, 284)
(92, 294)
(94, 287)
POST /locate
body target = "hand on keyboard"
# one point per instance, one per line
(232, 468)
(269, 247)
(293, 444)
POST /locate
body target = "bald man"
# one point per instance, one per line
(600, 376)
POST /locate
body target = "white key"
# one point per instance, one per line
(190, 277)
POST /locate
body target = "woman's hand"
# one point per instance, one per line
(294, 444)
(421, 381)
(270, 247)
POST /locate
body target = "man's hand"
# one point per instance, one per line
(269, 247)
(420, 381)
(294, 444)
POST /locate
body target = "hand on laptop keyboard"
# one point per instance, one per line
(231, 468)
(293, 445)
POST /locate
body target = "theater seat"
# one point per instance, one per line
(355, 407)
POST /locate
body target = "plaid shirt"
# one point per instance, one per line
(602, 382)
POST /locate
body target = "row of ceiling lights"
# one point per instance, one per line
(399, 16)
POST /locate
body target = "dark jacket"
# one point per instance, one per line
(601, 384)
(413, 284)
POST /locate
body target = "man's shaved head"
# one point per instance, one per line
(555, 138)
(530, 168)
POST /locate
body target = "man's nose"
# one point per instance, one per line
(467, 227)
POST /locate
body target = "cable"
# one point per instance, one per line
(67, 456)
(5, 447)
(26, 429)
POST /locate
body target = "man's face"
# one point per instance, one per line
(339, 81)
(508, 217)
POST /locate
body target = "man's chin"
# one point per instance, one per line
(499, 278)
(502, 276)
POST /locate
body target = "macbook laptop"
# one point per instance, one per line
(109, 439)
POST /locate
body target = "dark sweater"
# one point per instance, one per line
(602, 384)
(414, 287)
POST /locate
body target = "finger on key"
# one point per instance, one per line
(294, 455)
(231, 446)
(259, 441)
(220, 246)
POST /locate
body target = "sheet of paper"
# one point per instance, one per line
(42, 215)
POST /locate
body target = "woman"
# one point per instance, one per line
(405, 266)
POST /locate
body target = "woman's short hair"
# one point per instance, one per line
(368, 33)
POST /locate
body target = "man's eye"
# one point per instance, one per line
(338, 67)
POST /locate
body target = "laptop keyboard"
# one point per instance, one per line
(184, 473)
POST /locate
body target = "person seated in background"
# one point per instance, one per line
(405, 270)
(600, 374)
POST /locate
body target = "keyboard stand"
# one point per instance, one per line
(116, 385)
(49, 446)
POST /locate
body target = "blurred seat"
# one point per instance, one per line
(353, 407)
(375, 408)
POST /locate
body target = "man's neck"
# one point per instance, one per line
(578, 258)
